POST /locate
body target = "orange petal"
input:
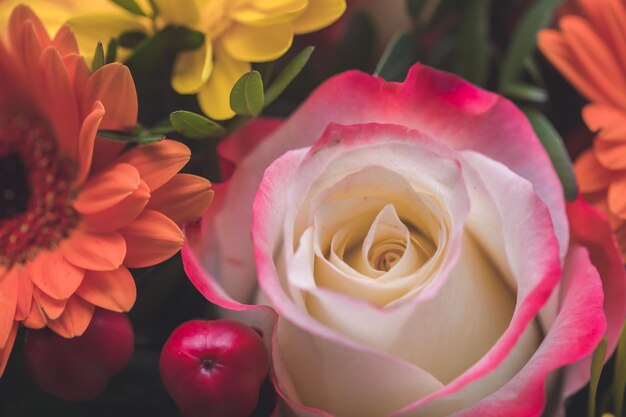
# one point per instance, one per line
(50, 307)
(609, 120)
(112, 290)
(614, 16)
(74, 320)
(78, 72)
(58, 101)
(591, 175)
(183, 198)
(8, 302)
(151, 239)
(55, 276)
(557, 50)
(65, 41)
(107, 188)
(610, 153)
(21, 15)
(5, 352)
(120, 214)
(87, 139)
(616, 197)
(595, 58)
(114, 87)
(96, 252)
(159, 162)
(30, 55)
(25, 296)
(36, 318)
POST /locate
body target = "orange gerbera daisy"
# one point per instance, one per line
(76, 212)
(589, 49)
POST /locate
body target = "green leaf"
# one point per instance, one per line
(553, 144)
(111, 51)
(423, 11)
(266, 69)
(131, 39)
(526, 92)
(165, 43)
(597, 362)
(619, 378)
(472, 59)
(144, 138)
(287, 75)
(131, 6)
(195, 126)
(247, 96)
(415, 6)
(151, 67)
(523, 42)
(398, 57)
(98, 58)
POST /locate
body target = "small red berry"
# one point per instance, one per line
(214, 368)
(79, 369)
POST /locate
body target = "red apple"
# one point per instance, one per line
(79, 369)
(214, 368)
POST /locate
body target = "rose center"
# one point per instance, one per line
(384, 255)
(36, 191)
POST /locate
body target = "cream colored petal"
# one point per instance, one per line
(214, 97)
(360, 197)
(318, 15)
(343, 378)
(470, 312)
(192, 69)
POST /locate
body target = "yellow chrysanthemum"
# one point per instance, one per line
(237, 32)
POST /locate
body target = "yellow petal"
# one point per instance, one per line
(214, 97)
(192, 69)
(318, 15)
(183, 12)
(279, 4)
(262, 14)
(92, 28)
(258, 44)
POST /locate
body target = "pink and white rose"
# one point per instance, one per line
(411, 254)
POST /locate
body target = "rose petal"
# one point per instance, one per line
(235, 147)
(427, 101)
(580, 322)
(590, 229)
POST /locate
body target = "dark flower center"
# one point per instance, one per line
(14, 188)
(36, 191)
